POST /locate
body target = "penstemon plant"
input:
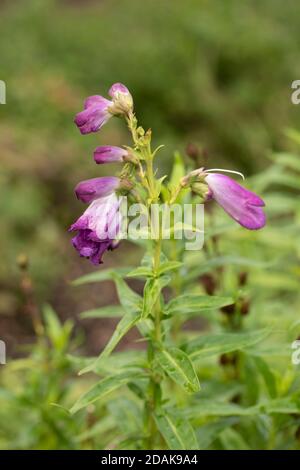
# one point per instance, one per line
(156, 377)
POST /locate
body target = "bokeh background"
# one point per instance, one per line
(211, 73)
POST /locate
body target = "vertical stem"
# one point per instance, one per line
(154, 386)
(150, 176)
(156, 264)
(153, 399)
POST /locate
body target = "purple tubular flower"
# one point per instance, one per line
(89, 190)
(241, 204)
(98, 228)
(95, 115)
(107, 154)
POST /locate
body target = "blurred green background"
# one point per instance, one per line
(213, 73)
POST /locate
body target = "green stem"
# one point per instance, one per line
(154, 386)
(150, 177)
(132, 126)
(157, 313)
(142, 145)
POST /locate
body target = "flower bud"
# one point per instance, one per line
(109, 153)
(122, 99)
(94, 188)
(201, 189)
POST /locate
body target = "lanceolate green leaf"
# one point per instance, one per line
(179, 368)
(132, 304)
(213, 263)
(110, 311)
(206, 407)
(169, 266)
(102, 388)
(100, 276)
(152, 290)
(210, 345)
(124, 325)
(118, 362)
(267, 375)
(151, 294)
(129, 299)
(189, 303)
(287, 405)
(141, 272)
(177, 431)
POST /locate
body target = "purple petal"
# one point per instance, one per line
(107, 154)
(95, 114)
(81, 224)
(89, 190)
(96, 100)
(102, 218)
(240, 203)
(253, 218)
(117, 88)
(90, 249)
(98, 228)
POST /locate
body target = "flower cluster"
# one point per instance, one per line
(99, 226)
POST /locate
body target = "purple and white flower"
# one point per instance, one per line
(99, 226)
(109, 153)
(98, 110)
(96, 113)
(244, 206)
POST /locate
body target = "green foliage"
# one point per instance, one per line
(179, 368)
(215, 73)
(30, 388)
(102, 388)
(177, 431)
(249, 396)
(187, 69)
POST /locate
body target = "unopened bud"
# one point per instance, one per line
(201, 189)
(122, 99)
